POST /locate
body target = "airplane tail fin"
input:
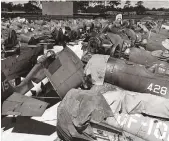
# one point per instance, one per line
(36, 75)
(65, 72)
(6, 88)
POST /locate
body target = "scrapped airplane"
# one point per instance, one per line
(144, 57)
(141, 56)
(128, 75)
(16, 104)
(20, 53)
(165, 27)
(19, 65)
(112, 115)
(63, 70)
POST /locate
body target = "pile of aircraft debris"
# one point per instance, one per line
(117, 89)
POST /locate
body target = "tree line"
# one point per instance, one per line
(27, 7)
(101, 7)
(86, 6)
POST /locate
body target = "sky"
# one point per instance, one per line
(147, 3)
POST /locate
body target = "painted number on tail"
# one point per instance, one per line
(5, 85)
(157, 89)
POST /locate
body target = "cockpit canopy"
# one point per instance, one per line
(162, 68)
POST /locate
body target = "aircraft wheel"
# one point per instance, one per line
(50, 53)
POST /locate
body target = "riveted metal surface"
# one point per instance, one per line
(68, 75)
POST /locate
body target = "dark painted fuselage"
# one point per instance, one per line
(19, 65)
(136, 78)
(142, 57)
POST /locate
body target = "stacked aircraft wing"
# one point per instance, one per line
(16, 104)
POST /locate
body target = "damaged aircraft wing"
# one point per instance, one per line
(64, 72)
(88, 115)
(21, 105)
(17, 104)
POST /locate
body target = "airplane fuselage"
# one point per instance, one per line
(6, 89)
(16, 66)
(136, 78)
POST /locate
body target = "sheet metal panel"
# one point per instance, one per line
(69, 75)
(22, 105)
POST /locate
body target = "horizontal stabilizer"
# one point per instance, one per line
(22, 105)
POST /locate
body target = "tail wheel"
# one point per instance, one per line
(50, 53)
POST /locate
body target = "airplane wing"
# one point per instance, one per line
(21, 105)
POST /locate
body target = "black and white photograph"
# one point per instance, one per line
(84, 70)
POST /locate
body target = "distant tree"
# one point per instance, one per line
(114, 3)
(147, 9)
(83, 4)
(154, 9)
(7, 6)
(31, 7)
(98, 3)
(139, 3)
(99, 8)
(161, 9)
(80, 5)
(3, 4)
(127, 4)
(119, 9)
(167, 10)
(140, 9)
(127, 7)
(33, 2)
(18, 7)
